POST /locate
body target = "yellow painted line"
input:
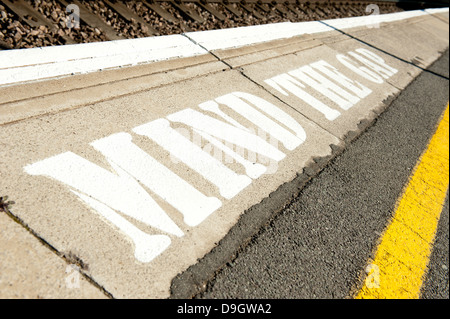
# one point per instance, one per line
(401, 259)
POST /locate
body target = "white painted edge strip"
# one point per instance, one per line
(23, 65)
(236, 37)
(354, 22)
(436, 10)
(61, 53)
(80, 66)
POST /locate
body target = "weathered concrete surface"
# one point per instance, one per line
(99, 216)
(412, 45)
(69, 225)
(30, 270)
(51, 96)
(259, 52)
(345, 120)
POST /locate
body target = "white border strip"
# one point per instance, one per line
(237, 37)
(41, 63)
(53, 54)
(436, 10)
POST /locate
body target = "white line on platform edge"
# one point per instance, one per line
(22, 65)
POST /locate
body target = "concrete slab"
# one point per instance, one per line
(238, 57)
(400, 80)
(436, 25)
(419, 42)
(337, 105)
(41, 97)
(18, 66)
(29, 270)
(80, 177)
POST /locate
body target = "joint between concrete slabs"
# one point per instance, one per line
(68, 257)
(209, 52)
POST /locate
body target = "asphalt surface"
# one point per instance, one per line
(319, 244)
(436, 282)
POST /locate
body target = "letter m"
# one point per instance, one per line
(117, 190)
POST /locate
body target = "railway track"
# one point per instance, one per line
(38, 23)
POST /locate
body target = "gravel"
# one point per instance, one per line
(111, 18)
(15, 34)
(55, 12)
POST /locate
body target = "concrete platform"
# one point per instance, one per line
(136, 172)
